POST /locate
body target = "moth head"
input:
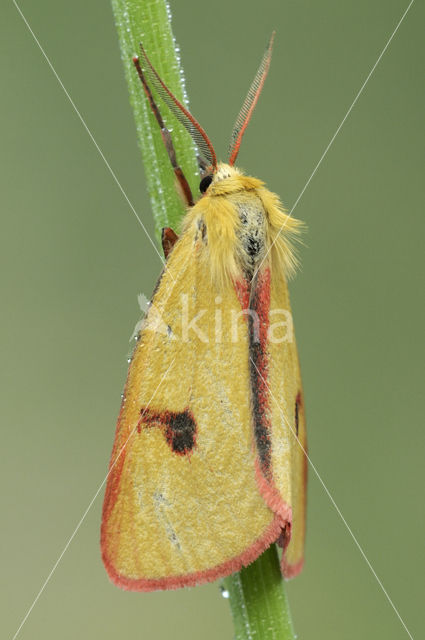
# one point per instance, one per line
(223, 174)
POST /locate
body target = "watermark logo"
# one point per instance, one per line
(215, 324)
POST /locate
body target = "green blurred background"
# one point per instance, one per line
(73, 259)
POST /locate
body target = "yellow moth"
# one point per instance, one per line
(208, 466)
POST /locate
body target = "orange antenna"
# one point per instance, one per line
(248, 106)
(195, 130)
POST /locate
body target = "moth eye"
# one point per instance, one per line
(205, 183)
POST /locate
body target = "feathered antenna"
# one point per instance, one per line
(195, 130)
(249, 104)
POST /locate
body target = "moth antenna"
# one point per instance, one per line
(248, 106)
(166, 137)
(185, 118)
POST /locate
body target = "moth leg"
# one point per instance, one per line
(168, 240)
(182, 183)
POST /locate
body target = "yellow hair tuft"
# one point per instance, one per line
(218, 211)
(222, 221)
(283, 229)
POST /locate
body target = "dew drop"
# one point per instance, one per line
(224, 592)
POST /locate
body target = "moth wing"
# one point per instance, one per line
(288, 420)
(182, 505)
(279, 413)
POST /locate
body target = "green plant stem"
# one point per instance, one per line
(256, 594)
(258, 600)
(148, 21)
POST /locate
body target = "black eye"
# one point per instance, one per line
(205, 183)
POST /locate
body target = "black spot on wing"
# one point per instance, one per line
(258, 327)
(181, 432)
(179, 428)
(297, 411)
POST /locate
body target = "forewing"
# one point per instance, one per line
(182, 505)
(286, 407)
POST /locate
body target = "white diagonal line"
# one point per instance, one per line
(45, 583)
(341, 124)
(328, 493)
(111, 171)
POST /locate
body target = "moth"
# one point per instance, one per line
(208, 466)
